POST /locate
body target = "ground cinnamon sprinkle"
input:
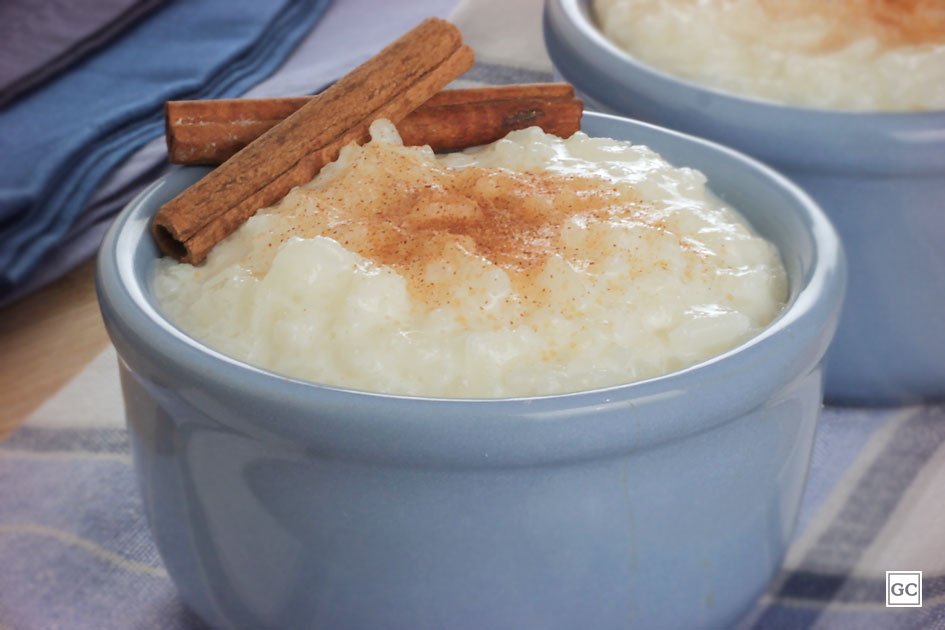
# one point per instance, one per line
(399, 211)
(891, 22)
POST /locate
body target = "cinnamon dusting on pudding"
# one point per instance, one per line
(892, 22)
(401, 211)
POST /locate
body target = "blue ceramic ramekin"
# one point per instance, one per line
(880, 177)
(666, 503)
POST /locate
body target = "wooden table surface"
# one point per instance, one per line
(45, 340)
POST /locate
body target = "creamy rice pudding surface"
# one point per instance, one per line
(843, 54)
(531, 266)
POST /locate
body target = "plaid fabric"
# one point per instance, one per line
(881, 510)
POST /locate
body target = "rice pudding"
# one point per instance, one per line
(861, 55)
(531, 266)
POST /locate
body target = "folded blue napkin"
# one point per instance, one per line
(41, 38)
(59, 142)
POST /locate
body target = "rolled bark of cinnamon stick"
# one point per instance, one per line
(211, 131)
(390, 85)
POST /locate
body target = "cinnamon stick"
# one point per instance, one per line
(210, 131)
(389, 85)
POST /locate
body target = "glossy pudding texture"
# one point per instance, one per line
(531, 266)
(861, 55)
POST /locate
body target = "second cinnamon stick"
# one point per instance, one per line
(209, 132)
